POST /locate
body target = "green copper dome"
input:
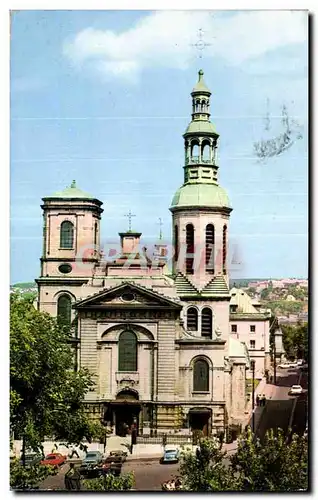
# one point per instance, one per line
(72, 192)
(200, 195)
(201, 127)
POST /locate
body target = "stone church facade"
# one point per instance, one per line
(157, 342)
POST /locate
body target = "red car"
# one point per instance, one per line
(54, 459)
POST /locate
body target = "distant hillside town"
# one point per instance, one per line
(287, 298)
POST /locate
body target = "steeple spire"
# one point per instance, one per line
(201, 138)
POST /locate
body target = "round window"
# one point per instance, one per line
(128, 296)
(65, 268)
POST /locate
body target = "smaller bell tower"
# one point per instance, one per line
(71, 232)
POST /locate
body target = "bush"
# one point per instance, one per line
(110, 483)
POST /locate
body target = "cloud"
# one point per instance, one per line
(168, 38)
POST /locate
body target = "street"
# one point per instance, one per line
(150, 474)
(278, 409)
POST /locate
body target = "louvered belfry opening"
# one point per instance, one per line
(192, 319)
(209, 248)
(190, 248)
(206, 323)
(176, 243)
(224, 248)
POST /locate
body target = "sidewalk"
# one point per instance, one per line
(262, 388)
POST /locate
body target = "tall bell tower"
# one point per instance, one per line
(200, 207)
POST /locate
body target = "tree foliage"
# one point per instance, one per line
(295, 341)
(24, 478)
(46, 394)
(274, 465)
(205, 470)
(109, 482)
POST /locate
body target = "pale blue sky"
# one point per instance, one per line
(103, 97)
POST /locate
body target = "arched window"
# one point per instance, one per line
(206, 323)
(200, 376)
(192, 319)
(203, 106)
(190, 248)
(209, 248)
(224, 248)
(64, 310)
(127, 352)
(197, 105)
(206, 151)
(176, 243)
(66, 235)
(195, 152)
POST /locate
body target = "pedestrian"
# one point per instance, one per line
(257, 400)
(74, 452)
(54, 449)
(261, 402)
(72, 479)
(164, 440)
(264, 400)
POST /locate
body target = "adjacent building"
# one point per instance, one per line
(249, 323)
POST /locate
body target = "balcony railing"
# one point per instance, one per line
(196, 159)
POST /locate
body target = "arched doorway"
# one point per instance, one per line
(200, 419)
(126, 411)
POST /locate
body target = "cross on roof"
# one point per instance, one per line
(129, 215)
(200, 45)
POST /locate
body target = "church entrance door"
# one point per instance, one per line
(126, 412)
(200, 420)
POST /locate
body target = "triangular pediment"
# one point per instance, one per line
(127, 295)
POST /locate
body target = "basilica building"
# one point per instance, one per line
(154, 334)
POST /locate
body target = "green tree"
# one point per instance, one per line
(205, 469)
(295, 341)
(46, 397)
(22, 478)
(109, 482)
(274, 465)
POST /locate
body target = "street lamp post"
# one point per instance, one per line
(274, 360)
(253, 395)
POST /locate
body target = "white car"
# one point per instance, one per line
(293, 365)
(284, 365)
(295, 390)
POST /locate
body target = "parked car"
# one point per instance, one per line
(92, 460)
(295, 390)
(119, 453)
(293, 364)
(284, 365)
(113, 464)
(32, 458)
(171, 455)
(54, 459)
(300, 362)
